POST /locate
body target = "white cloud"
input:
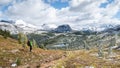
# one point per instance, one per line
(0, 14)
(65, 0)
(78, 13)
(31, 11)
(52, 1)
(89, 12)
(3, 2)
(112, 9)
(28, 8)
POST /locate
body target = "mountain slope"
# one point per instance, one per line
(18, 26)
(8, 26)
(10, 51)
(62, 29)
(13, 53)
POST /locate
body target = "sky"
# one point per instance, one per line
(76, 13)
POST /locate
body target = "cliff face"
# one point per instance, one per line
(63, 29)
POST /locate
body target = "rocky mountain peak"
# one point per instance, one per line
(63, 28)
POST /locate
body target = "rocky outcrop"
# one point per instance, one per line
(63, 29)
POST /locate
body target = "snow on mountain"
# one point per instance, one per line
(8, 26)
(18, 26)
(94, 26)
(48, 26)
(23, 24)
(27, 28)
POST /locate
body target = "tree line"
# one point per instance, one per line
(5, 33)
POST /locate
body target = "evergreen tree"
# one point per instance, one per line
(20, 38)
(25, 39)
(5, 33)
(34, 43)
(42, 46)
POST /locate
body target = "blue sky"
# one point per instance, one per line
(118, 15)
(50, 11)
(58, 4)
(104, 5)
(5, 7)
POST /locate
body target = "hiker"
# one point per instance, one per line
(29, 43)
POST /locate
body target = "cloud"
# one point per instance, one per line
(78, 13)
(31, 11)
(3, 2)
(0, 14)
(112, 9)
(53, 1)
(89, 12)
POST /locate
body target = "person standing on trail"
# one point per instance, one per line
(29, 43)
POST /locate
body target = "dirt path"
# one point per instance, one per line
(43, 64)
(47, 65)
(52, 63)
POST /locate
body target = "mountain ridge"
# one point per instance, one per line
(20, 26)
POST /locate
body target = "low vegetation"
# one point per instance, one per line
(11, 52)
(5, 33)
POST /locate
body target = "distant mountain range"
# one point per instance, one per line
(20, 26)
(17, 26)
(7, 21)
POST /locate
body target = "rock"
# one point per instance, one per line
(117, 48)
(4, 50)
(63, 29)
(89, 67)
(10, 61)
(13, 65)
(14, 51)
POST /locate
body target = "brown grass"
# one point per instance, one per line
(10, 50)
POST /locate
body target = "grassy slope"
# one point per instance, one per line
(10, 50)
(84, 59)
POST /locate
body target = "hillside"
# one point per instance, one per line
(10, 51)
(13, 53)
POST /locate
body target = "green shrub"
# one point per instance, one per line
(18, 61)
